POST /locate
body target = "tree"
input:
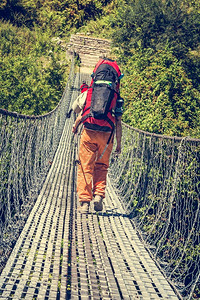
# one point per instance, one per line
(13, 11)
(159, 96)
(155, 23)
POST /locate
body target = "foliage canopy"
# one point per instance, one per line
(31, 75)
(56, 15)
(159, 95)
(155, 24)
(158, 43)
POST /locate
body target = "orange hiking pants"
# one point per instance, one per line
(92, 171)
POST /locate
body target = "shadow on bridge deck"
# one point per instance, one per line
(61, 254)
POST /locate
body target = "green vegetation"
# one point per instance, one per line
(154, 24)
(33, 66)
(59, 16)
(32, 74)
(156, 43)
(160, 97)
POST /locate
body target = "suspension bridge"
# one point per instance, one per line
(145, 243)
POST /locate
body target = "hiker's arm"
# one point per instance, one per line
(118, 134)
(77, 122)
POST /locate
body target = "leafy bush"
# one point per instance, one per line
(158, 43)
(155, 23)
(59, 16)
(15, 12)
(31, 75)
(102, 26)
(159, 96)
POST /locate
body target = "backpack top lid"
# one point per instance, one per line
(106, 69)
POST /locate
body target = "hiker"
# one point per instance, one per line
(84, 87)
(79, 103)
(97, 137)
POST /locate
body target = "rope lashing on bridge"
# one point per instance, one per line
(27, 148)
(158, 178)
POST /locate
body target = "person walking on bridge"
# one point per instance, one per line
(97, 137)
(83, 87)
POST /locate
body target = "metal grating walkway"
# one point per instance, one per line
(62, 254)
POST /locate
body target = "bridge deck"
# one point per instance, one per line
(62, 254)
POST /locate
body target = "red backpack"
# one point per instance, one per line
(98, 112)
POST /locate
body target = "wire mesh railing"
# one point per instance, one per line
(27, 148)
(158, 178)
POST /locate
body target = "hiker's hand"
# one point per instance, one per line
(118, 150)
(74, 129)
(76, 123)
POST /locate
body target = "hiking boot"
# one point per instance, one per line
(84, 207)
(98, 203)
